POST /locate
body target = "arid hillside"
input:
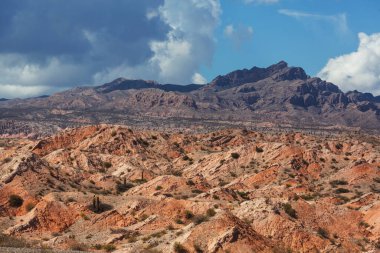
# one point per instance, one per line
(110, 188)
(279, 94)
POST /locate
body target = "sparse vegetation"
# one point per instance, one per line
(15, 200)
(341, 190)
(334, 183)
(12, 242)
(210, 212)
(259, 149)
(107, 165)
(178, 248)
(235, 155)
(323, 233)
(29, 207)
(188, 214)
(289, 210)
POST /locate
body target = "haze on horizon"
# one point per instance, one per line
(47, 46)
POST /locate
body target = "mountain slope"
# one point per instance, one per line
(278, 94)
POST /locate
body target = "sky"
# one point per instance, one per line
(48, 46)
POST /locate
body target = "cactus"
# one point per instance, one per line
(97, 204)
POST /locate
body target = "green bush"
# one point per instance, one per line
(235, 155)
(178, 248)
(15, 200)
(259, 150)
(29, 206)
(188, 214)
(198, 219)
(323, 233)
(12, 242)
(341, 190)
(107, 165)
(109, 247)
(289, 210)
(211, 212)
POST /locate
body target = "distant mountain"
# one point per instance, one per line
(3, 99)
(278, 94)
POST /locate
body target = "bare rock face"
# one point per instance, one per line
(109, 187)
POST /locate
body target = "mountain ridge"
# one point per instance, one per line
(277, 94)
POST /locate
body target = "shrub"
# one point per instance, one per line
(29, 206)
(109, 247)
(15, 200)
(289, 210)
(338, 146)
(197, 191)
(178, 248)
(107, 165)
(12, 242)
(7, 160)
(179, 221)
(198, 219)
(323, 233)
(244, 195)
(188, 214)
(235, 155)
(259, 150)
(211, 212)
(158, 187)
(341, 190)
(177, 173)
(198, 249)
(74, 245)
(334, 183)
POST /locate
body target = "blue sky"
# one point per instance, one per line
(48, 46)
(308, 42)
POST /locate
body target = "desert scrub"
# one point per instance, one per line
(289, 210)
(179, 248)
(12, 242)
(259, 150)
(15, 200)
(235, 155)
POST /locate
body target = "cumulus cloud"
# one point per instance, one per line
(339, 21)
(66, 43)
(188, 44)
(199, 79)
(239, 34)
(359, 70)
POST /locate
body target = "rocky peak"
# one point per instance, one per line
(126, 84)
(279, 72)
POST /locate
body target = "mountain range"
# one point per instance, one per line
(278, 94)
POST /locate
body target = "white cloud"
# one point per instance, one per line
(229, 30)
(19, 91)
(199, 79)
(339, 21)
(358, 70)
(173, 40)
(238, 35)
(188, 45)
(261, 1)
